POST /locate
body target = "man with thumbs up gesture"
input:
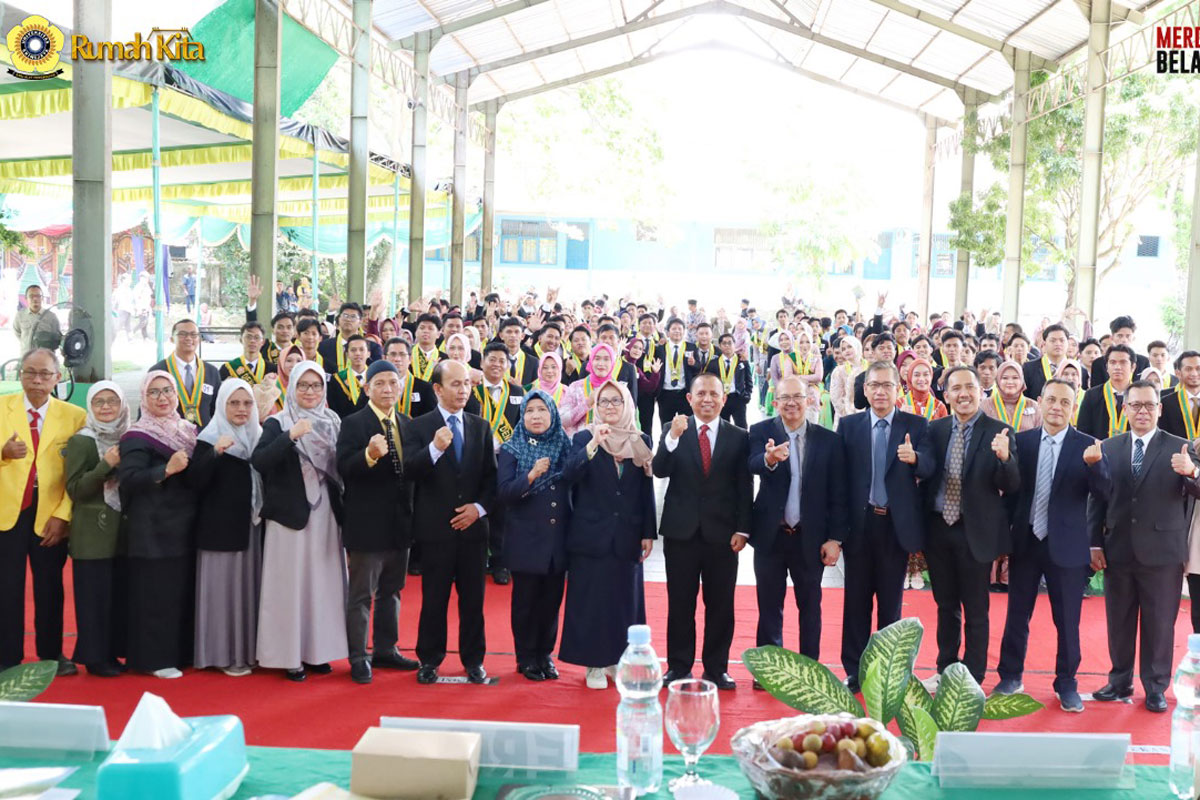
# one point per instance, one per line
(1139, 536)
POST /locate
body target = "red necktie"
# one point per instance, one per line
(705, 450)
(27, 501)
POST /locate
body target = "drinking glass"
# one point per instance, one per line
(693, 717)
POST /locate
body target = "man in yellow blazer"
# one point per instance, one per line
(35, 511)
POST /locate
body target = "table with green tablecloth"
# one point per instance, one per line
(287, 771)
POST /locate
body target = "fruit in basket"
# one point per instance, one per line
(849, 760)
(785, 743)
(810, 760)
(811, 743)
(832, 744)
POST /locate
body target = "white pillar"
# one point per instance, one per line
(1191, 330)
(416, 195)
(1014, 225)
(1093, 158)
(264, 168)
(962, 272)
(356, 205)
(925, 246)
(458, 221)
(488, 233)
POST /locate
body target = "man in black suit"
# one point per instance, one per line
(799, 519)
(333, 349)
(736, 379)
(885, 518)
(1060, 469)
(425, 353)
(968, 464)
(522, 363)
(196, 382)
(1095, 419)
(377, 528)
(1054, 353)
(1181, 405)
(450, 458)
(700, 359)
(1123, 330)
(883, 348)
(346, 388)
(673, 353)
(1140, 539)
(705, 524)
(416, 396)
(251, 366)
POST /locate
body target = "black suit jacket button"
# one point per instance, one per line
(1134, 520)
(553, 521)
(554, 504)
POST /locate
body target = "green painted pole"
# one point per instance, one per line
(156, 170)
(316, 225)
(395, 244)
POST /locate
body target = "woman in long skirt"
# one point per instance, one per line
(228, 532)
(610, 535)
(301, 620)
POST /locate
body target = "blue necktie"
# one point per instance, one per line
(1041, 491)
(879, 464)
(452, 421)
(1137, 457)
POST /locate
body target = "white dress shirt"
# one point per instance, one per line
(41, 412)
(1145, 439)
(435, 454)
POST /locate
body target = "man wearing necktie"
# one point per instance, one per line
(1060, 469)
(451, 461)
(968, 466)
(1100, 411)
(740, 386)
(1139, 537)
(799, 519)
(196, 403)
(347, 391)
(672, 392)
(1181, 405)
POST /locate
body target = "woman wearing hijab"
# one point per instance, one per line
(612, 531)
(458, 348)
(269, 395)
(160, 509)
(841, 384)
(578, 404)
(301, 612)
(919, 398)
(537, 505)
(228, 533)
(549, 377)
(95, 544)
(649, 377)
(1008, 402)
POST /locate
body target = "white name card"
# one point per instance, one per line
(1031, 760)
(53, 727)
(514, 745)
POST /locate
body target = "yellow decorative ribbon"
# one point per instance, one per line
(1002, 411)
(1116, 423)
(190, 403)
(494, 412)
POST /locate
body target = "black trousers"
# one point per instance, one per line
(496, 558)
(460, 564)
(961, 592)
(771, 570)
(377, 577)
(536, 601)
(694, 565)
(18, 545)
(1139, 595)
(162, 600)
(670, 403)
(734, 410)
(1193, 582)
(875, 570)
(645, 405)
(1064, 585)
(101, 610)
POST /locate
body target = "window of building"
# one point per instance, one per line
(528, 242)
(741, 249)
(1147, 247)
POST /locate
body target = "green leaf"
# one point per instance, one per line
(1001, 706)
(958, 704)
(927, 731)
(894, 650)
(799, 681)
(872, 688)
(915, 697)
(26, 681)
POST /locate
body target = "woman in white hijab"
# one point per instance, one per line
(228, 532)
(301, 619)
(91, 462)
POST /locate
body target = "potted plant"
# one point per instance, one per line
(26, 681)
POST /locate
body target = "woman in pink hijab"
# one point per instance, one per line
(578, 402)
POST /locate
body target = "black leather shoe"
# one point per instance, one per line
(103, 670)
(394, 660)
(1156, 701)
(427, 674)
(360, 672)
(501, 577)
(297, 675)
(530, 671)
(1109, 693)
(672, 675)
(319, 669)
(758, 687)
(66, 667)
(852, 684)
(723, 681)
(548, 669)
(476, 674)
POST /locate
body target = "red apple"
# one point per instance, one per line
(828, 743)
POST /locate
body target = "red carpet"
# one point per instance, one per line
(331, 712)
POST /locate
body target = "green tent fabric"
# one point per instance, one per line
(227, 33)
(331, 241)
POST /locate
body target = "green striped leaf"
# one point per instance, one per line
(927, 731)
(799, 681)
(872, 688)
(894, 650)
(26, 681)
(1008, 706)
(958, 704)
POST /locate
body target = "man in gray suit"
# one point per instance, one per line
(1139, 537)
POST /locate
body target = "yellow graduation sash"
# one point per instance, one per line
(707, 358)
(341, 352)
(350, 385)
(1116, 423)
(253, 377)
(1046, 371)
(930, 406)
(421, 365)
(271, 351)
(517, 369)
(801, 369)
(404, 404)
(494, 412)
(1185, 409)
(1002, 411)
(727, 376)
(675, 366)
(189, 403)
(279, 401)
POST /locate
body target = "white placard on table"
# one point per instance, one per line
(514, 745)
(54, 727)
(1031, 760)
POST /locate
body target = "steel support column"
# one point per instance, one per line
(416, 190)
(1191, 328)
(925, 244)
(264, 168)
(962, 271)
(488, 233)
(1014, 228)
(315, 262)
(458, 221)
(91, 170)
(356, 204)
(1093, 158)
(160, 258)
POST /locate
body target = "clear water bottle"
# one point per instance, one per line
(639, 716)
(1183, 722)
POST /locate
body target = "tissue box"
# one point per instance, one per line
(209, 764)
(415, 765)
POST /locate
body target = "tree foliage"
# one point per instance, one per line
(10, 239)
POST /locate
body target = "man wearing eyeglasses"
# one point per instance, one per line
(196, 381)
(1140, 539)
(333, 349)
(35, 511)
(33, 317)
(885, 520)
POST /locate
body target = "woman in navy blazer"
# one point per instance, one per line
(611, 532)
(537, 507)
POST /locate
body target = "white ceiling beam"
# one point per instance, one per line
(1119, 13)
(447, 28)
